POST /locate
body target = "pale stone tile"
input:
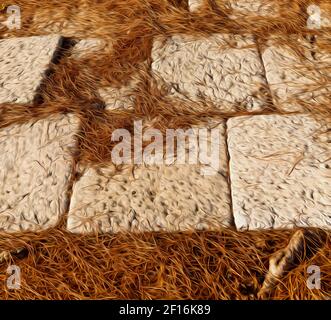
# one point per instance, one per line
(23, 62)
(240, 7)
(35, 168)
(280, 172)
(158, 197)
(298, 72)
(222, 69)
(319, 14)
(252, 7)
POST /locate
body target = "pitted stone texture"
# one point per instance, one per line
(319, 14)
(240, 7)
(35, 167)
(252, 7)
(280, 172)
(23, 62)
(152, 198)
(222, 69)
(297, 81)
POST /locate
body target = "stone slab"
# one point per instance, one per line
(280, 172)
(23, 62)
(239, 7)
(35, 168)
(298, 75)
(225, 70)
(176, 197)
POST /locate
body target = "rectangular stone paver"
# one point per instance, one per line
(280, 172)
(23, 62)
(240, 8)
(35, 167)
(155, 198)
(298, 80)
(319, 13)
(251, 7)
(223, 69)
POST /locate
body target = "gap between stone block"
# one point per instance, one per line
(229, 172)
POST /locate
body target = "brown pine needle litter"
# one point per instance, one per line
(227, 264)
